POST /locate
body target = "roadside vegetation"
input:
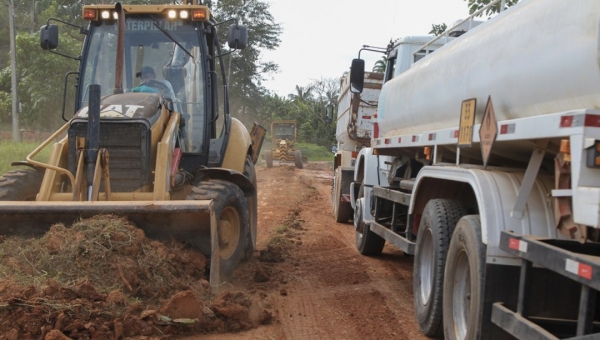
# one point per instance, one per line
(12, 152)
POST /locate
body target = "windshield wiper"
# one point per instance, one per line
(171, 37)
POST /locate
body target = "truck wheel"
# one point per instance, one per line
(298, 159)
(231, 211)
(342, 211)
(252, 203)
(20, 185)
(463, 287)
(269, 159)
(435, 230)
(367, 242)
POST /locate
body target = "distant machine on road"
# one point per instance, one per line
(283, 135)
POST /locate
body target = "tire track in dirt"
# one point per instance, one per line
(361, 295)
(324, 289)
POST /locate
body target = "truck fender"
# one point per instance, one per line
(491, 194)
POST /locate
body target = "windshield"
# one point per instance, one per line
(283, 131)
(167, 63)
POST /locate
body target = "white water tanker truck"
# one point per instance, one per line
(485, 165)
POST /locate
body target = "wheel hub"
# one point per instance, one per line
(461, 296)
(229, 227)
(358, 220)
(426, 264)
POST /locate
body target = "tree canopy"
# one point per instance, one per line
(41, 75)
(475, 5)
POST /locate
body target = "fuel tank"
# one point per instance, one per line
(538, 57)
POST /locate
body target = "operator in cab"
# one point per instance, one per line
(150, 84)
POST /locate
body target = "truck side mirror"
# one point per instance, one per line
(357, 75)
(237, 37)
(49, 37)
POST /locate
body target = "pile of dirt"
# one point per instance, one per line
(103, 279)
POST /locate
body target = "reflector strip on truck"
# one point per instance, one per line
(345, 198)
(587, 120)
(507, 128)
(515, 244)
(578, 268)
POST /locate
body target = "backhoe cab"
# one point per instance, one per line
(151, 137)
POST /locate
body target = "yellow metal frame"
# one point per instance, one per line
(163, 144)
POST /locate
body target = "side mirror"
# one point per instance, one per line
(49, 37)
(237, 37)
(357, 75)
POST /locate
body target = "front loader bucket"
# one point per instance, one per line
(191, 222)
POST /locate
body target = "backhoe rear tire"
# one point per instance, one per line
(231, 211)
(298, 159)
(20, 185)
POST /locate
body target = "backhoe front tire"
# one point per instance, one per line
(20, 185)
(231, 211)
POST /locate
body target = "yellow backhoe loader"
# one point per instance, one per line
(151, 137)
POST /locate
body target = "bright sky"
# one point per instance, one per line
(321, 37)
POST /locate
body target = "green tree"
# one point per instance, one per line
(380, 65)
(475, 5)
(247, 70)
(438, 30)
(302, 94)
(41, 81)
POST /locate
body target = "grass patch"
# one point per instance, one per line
(315, 152)
(12, 152)
(282, 229)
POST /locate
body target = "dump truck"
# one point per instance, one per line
(151, 137)
(484, 167)
(283, 136)
(353, 132)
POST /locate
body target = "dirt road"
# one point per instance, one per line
(307, 273)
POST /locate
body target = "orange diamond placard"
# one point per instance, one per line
(488, 131)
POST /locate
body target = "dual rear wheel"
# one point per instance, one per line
(449, 272)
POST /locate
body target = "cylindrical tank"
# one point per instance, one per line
(539, 57)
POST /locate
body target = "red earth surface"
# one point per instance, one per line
(103, 279)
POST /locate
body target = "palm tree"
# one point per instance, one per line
(380, 65)
(302, 94)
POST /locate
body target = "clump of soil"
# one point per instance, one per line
(103, 279)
